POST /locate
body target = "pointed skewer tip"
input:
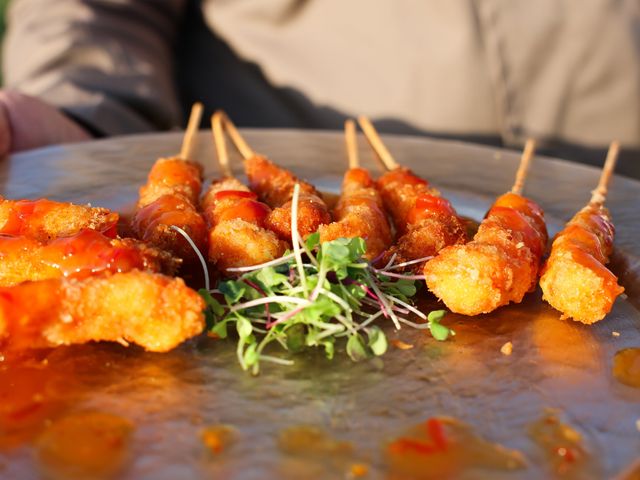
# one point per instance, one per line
(599, 195)
(220, 143)
(523, 169)
(378, 146)
(351, 143)
(191, 132)
(236, 138)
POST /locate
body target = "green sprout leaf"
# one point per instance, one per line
(357, 248)
(212, 309)
(312, 241)
(270, 279)
(407, 288)
(232, 290)
(314, 299)
(244, 327)
(436, 316)
(377, 341)
(212, 303)
(296, 338)
(250, 355)
(356, 348)
(220, 329)
(322, 308)
(335, 256)
(329, 348)
(439, 331)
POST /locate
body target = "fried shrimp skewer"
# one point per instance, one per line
(78, 256)
(170, 199)
(575, 280)
(425, 222)
(502, 261)
(150, 310)
(274, 186)
(359, 212)
(44, 220)
(235, 217)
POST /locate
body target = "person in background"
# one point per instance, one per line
(490, 71)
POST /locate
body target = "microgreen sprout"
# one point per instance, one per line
(311, 297)
(203, 262)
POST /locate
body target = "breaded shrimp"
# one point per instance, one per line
(150, 310)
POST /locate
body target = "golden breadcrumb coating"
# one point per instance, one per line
(312, 212)
(274, 185)
(425, 239)
(153, 224)
(238, 243)
(574, 279)
(209, 201)
(44, 219)
(479, 277)
(238, 236)
(150, 310)
(84, 254)
(359, 213)
(499, 266)
(400, 189)
(424, 220)
(171, 198)
(172, 176)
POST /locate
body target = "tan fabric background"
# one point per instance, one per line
(565, 71)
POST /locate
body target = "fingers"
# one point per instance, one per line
(27, 122)
(5, 130)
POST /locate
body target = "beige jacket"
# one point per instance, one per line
(566, 71)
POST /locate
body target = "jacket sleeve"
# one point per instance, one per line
(109, 64)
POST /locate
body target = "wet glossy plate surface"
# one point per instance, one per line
(171, 398)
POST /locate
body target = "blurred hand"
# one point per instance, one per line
(26, 122)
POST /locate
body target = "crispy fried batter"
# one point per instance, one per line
(79, 256)
(274, 185)
(400, 189)
(575, 280)
(239, 243)
(312, 212)
(172, 176)
(237, 221)
(44, 219)
(424, 220)
(499, 266)
(209, 201)
(170, 198)
(359, 213)
(151, 310)
(425, 239)
(478, 277)
(153, 223)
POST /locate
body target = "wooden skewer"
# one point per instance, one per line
(351, 142)
(375, 141)
(220, 143)
(241, 145)
(190, 135)
(599, 195)
(523, 169)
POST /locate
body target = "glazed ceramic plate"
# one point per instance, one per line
(168, 400)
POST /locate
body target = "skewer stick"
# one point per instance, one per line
(599, 195)
(523, 169)
(220, 143)
(351, 142)
(241, 145)
(375, 141)
(190, 135)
